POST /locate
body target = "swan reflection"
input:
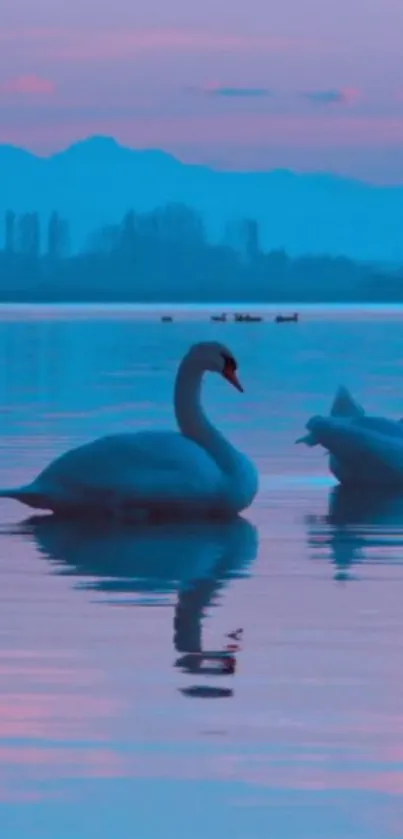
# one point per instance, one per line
(193, 560)
(358, 527)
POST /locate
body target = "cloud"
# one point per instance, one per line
(28, 86)
(229, 92)
(114, 44)
(336, 96)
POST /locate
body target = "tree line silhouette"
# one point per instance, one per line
(166, 256)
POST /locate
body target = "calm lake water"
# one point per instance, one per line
(107, 729)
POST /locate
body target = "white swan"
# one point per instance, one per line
(364, 451)
(153, 473)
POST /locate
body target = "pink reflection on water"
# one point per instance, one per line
(69, 763)
(31, 774)
(294, 776)
(56, 716)
(36, 765)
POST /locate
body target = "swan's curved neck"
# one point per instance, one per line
(192, 420)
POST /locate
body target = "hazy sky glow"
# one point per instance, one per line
(303, 83)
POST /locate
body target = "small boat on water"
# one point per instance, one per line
(240, 318)
(287, 318)
(167, 319)
(219, 318)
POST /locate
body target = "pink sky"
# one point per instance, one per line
(236, 86)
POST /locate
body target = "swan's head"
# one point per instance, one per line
(217, 358)
(331, 433)
(340, 437)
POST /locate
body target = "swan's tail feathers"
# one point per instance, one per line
(10, 493)
(25, 494)
(344, 405)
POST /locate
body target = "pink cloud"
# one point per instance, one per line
(29, 86)
(61, 45)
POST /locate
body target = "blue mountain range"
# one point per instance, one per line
(94, 182)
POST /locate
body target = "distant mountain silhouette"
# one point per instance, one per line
(94, 182)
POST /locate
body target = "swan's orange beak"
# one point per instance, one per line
(232, 378)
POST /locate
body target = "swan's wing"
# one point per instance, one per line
(380, 425)
(368, 456)
(383, 455)
(167, 487)
(150, 467)
(368, 425)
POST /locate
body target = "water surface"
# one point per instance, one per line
(107, 728)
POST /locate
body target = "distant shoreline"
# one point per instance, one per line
(197, 311)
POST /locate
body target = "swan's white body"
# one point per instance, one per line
(195, 471)
(364, 451)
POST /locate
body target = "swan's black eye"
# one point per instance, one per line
(229, 362)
